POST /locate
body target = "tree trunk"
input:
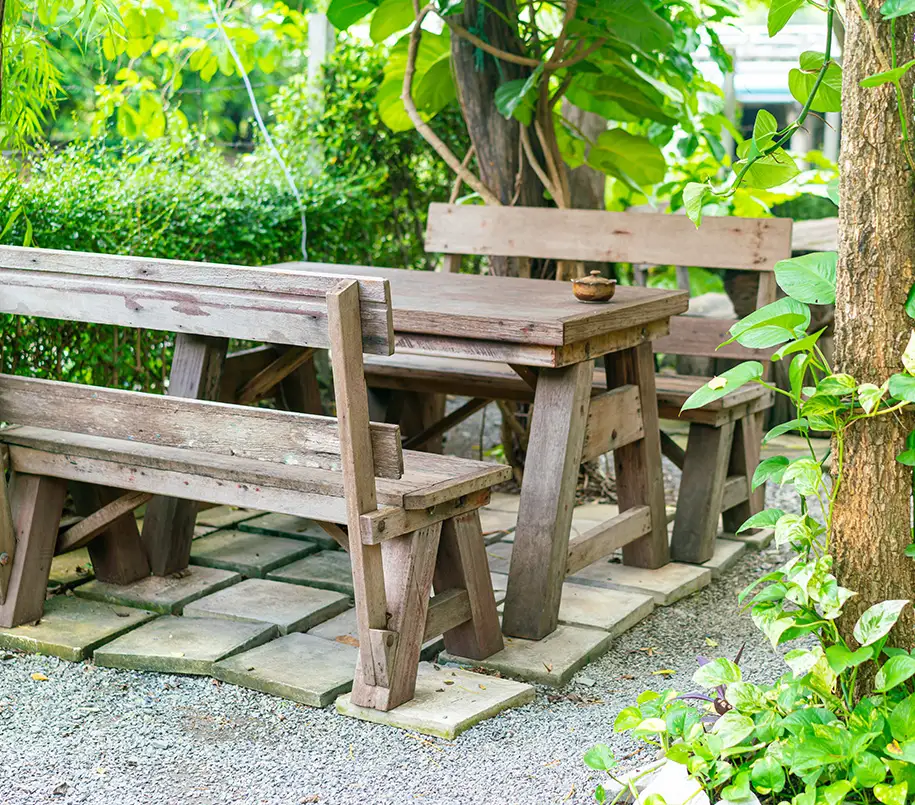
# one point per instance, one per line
(497, 140)
(872, 519)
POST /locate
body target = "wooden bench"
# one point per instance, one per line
(409, 520)
(724, 439)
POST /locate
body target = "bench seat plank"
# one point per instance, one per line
(427, 479)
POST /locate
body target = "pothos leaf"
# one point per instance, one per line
(877, 621)
(734, 379)
(897, 8)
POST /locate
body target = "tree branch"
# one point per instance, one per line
(515, 58)
(456, 188)
(538, 169)
(424, 129)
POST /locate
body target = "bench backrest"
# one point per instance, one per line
(746, 244)
(348, 315)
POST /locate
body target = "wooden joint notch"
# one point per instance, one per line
(609, 536)
(90, 527)
(271, 376)
(392, 521)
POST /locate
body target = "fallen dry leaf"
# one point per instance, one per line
(664, 672)
(39, 677)
(348, 639)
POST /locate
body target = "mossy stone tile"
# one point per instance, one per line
(173, 645)
(167, 595)
(343, 629)
(252, 555)
(72, 628)
(288, 525)
(224, 516)
(666, 584)
(448, 701)
(299, 667)
(329, 570)
(289, 607)
(70, 569)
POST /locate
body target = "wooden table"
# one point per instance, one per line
(551, 340)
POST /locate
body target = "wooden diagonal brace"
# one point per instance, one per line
(90, 527)
(7, 535)
(454, 418)
(258, 386)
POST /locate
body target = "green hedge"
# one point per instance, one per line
(191, 201)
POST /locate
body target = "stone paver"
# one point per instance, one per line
(329, 570)
(726, 555)
(665, 584)
(550, 661)
(252, 555)
(343, 629)
(499, 555)
(167, 595)
(756, 540)
(224, 516)
(300, 667)
(72, 628)
(613, 611)
(70, 569)
(448, 702)
(290, 526)
(173, 645)
(499, 586)
(494, 523)
(289, 607)
(503, 502)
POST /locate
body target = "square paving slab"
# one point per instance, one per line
(495, 523)
(756, 540)
(287, 525)
(224, 516)
(665, 584)
(499, 556)
(329, 570)
(72, 628)
(289, 607)
(550, 661)
(70, 569)
(173, 645)
(167, 595)
(726, 555)
(613, 611)
(448, 702)
(343, 629)
(252, 555)
(300, 667)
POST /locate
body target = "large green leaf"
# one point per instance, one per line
(809, 278)
(631, 21)
(780, 12)
(888, 76)
(902, 387)
(694, 197)
(877, 621)
(343, 13)
(897, 8)
(771, 170)
(728, 381)
(720, 671)
(733, 728)
(615, 96)
(894, 672)
(771, 468)
(515, 98)
(391, 17)
(801, 82)
(623, 155)
(783, 320)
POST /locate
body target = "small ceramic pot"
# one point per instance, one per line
(594, 288)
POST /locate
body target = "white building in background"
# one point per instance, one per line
(760, 81)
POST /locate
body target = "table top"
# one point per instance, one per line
(508, 309)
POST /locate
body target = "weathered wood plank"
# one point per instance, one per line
(727, 242)
(744, 459)
(447, 610)
(703, 337)
(173, 421)
(639, 480)
(614, 420)
(604, 539)
(267, 379)
(36, 505)
(547, 496)
(701, 488)
(7, 536)
(94, 524)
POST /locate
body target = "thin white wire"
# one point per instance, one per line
(260, 124)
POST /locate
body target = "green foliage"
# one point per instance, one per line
(818, 735)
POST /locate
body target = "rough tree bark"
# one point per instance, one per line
(496, 140)
(876, 268)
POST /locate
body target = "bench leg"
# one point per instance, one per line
(300, 390)
(420, 411)
(705, 471)
(117, 554)
(409, 563)
(541, 551)
(462, 563)
(744, 460)
(168, 526)
(639, 476)
(37, 503)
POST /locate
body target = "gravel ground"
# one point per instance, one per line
(95, 735)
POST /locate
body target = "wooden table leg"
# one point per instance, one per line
(168, 525)
(639, 479)
(300, 390)
(541, 549)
